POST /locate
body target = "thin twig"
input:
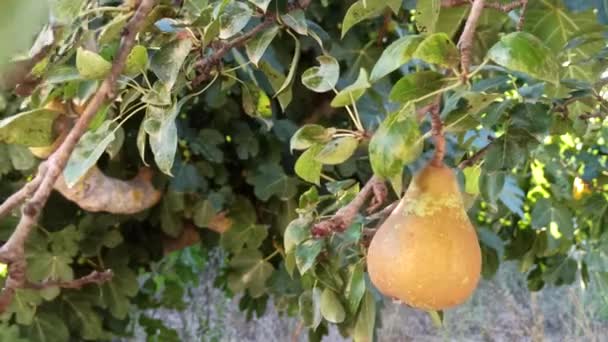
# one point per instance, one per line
(12, 252)
(522, 15)
(295, 337)
(346, 215)
(494, 5)
(466, 39)
(384, 28)
(94, 277)
(472, 160)
(26, 191)
(206, 64)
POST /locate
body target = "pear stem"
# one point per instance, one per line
(437, 131)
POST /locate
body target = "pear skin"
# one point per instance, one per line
(426, 253)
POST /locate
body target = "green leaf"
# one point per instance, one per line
(255, 101)
(159, 95)
(203, 213)
(331, 307)
(307, 167)
(523, 52)
(243, 235)
(350, 94)
(355, 289)
(167, 62)
(112, 30)
(395, 55)
(159, 123)
(468, 116)
(137, 61)
(277, 79)
(21, 157)
(414, 86)
(21, 19)
(471, 176)
(66, 241)
(491, 184)
(65, 11)
(233, 18)
(45, 266)
(438, 49)
(556, 27)
(309, 305)
(86, 153)
(324, 77)
(297, 231)
(256, 47)
(309, 135)
(270, 180)
(10, 332)
(296, 20)
(427, 14)
(170, 222)
(306, 254)
(365, 9)
(249, 271)
(89, 321)
(450, 20)
(292, 68)
(337, 151)
(24, 304)
(396, 143)
(90, 65)
(47, 327)
(505, 153)
(261, 4)
(32, 128)
(366, 319)
(115, 294)
(556, 218)
(209, 145)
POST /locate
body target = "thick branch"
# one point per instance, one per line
(466, 39)
(13, 250)
(346, 215)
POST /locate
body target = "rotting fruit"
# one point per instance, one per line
(426, 253)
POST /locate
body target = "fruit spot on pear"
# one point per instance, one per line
(426, 253)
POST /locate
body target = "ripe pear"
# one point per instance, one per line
(426, 253)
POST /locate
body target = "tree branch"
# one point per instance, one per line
(437, 131)
(472, 160)
(494, 5)
(12, 252)
(522, 14)
(466, 39)
(346, 215)
(206, 64)
(94, 277)
(26, 191)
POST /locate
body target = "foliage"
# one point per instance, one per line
(266, 144)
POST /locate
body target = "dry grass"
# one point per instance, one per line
(501, 310)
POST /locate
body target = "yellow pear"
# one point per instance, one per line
(426, 253)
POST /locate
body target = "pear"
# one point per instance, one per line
(426, 253)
